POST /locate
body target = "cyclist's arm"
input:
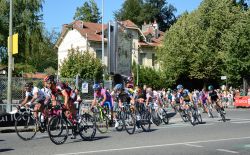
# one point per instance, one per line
(104, 99)
(34, 97)
(66, 97)
(24, 101)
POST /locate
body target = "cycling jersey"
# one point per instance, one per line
(100, 95)
(213, 95)
(40, 94)
(124, 97)
(62, 86)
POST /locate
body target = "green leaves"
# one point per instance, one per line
(89, 12)
(83, 63)
(139, 11)
(207, 43)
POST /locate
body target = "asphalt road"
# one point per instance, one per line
(178, 138)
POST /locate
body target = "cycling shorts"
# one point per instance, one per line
(108, 104)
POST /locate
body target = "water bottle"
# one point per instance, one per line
(138, 117)
(42, 118)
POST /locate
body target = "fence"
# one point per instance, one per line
(18, 92)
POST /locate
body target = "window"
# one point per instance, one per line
(99, 54)
(141, 58)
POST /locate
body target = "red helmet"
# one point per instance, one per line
(49, 79)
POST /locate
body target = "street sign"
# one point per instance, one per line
(15, 43)
(223, 77)
(85, 87)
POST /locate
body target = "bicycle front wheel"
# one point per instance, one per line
(101, 122)
(58, 130)
(87, 128)
(145, 121)
(129, 122)
(26, 126)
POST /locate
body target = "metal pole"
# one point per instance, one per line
(9, 100)
(103, 62)
(102, 32)
(137, 74)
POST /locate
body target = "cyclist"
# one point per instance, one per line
(33, 97)
(213, 97)
(103, 97)
(122, 96)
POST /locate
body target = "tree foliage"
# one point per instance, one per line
(89, 12)
(82, 63)
(139, 11)
(200, 45)
(35, 47)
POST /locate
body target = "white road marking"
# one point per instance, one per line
(193, 145)
(228, 151)
(152, 146)
(241, 122)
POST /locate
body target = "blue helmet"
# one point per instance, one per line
(118, 87)
(186, 91)
(96, 86)
(179, 86)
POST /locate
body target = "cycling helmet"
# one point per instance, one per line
(28, 84)
(179, 86)
(186, 91)
(210, 87)
(96, 86)
(49, 79)
(118, 87)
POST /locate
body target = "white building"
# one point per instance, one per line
(87, 36)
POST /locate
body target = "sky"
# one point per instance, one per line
(59, 12)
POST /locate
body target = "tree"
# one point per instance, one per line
(34, 42)
(193, 47)
(89, 12)
(130, 10)
(236, 47)
(139, 11)
(83, 63)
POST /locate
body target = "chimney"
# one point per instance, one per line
(156, 29)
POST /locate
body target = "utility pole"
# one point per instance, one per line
(10, 49)
(103, 32)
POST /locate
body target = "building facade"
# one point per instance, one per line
(87, 36)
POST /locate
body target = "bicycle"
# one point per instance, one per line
(58, 126)
(143, 117)
(26, 125)
(101, 119)
(195, 114)
(128, 118)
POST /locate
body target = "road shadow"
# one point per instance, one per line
(6, 150)
(140, 130)
(171, 114)
(94, 139)
(227, 119)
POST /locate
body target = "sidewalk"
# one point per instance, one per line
(9, 129)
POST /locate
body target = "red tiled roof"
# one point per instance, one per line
(36, 75)
(128, 23)
(155, 41)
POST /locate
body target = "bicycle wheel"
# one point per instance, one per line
(198, 117)
(129, 122)
(26, 126)
(87, 128)
(101, 122)
(119, 118)
(145, 121)
(191, 117)
(58, 130)
(165, 117)
(183, 116)
(155, 118)
(222, 115)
